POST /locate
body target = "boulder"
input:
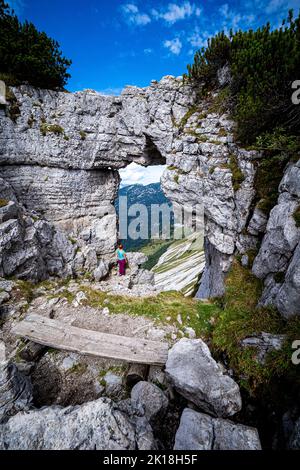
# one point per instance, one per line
(8, 211)
(96, 425)
(279, 242)
(196, 376)
(90, 256)
(142, 276)
(101, 271)
(288, 297)
(136, 258)
(198, 431)
(150, 398)
(15, 391)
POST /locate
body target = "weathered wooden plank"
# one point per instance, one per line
(60, 335)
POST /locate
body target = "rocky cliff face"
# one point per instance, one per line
(61, 152)
(280, 249)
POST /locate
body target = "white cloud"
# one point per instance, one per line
(130, 8)
(134, 16)
(174, 45)
(275, 5)
(224, 10)
(142, 19)
(175, 12)
(148, 51)
(198, 39)
(233, 19)
(137, 174)
(171, 13)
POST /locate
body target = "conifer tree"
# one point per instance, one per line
(27, 55)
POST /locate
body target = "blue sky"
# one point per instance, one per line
(114, 43)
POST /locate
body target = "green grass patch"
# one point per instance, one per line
(14, 110)
(237, 174)
(30, 121)
(267, 178)
(222, 323)
(69, 296)
(201, 138)
(51, 128)
(3, 202)
(26, 290)
(252, 253)
(172, 168)
(158, 308)
(222, 132)
(240, 317)
(154, 250)
(78, 369)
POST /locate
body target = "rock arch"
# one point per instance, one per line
(63, 152)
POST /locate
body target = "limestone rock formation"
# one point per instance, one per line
(68, 147)
(61, 157)
(198, 431)
(288, 297)
(151, 398)
(15, 391)
(180, 267)
(196, 376)
(280, 249)
(30, 247)
(101, 271)
(94, 425)
(200, 170)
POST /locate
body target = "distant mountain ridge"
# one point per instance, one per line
(140, 194)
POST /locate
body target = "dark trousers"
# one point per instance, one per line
(122, 265)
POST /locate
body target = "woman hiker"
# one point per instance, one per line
(122, 259)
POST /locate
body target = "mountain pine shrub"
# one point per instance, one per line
(27, 55)
(263, 65)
